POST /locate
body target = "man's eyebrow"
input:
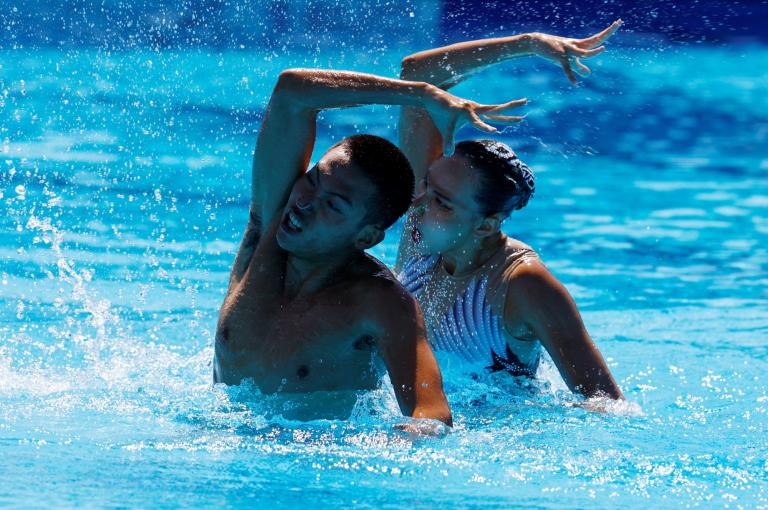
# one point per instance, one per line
(348, 201)
(344, 198)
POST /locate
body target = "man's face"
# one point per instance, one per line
(326, 207)
(446, 212)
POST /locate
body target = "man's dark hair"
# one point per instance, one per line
(506, 183)
(389, 171)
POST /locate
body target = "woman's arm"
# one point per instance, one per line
(537, 298)
(449, 65)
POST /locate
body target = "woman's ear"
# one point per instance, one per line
(489, 225)
(369, 236)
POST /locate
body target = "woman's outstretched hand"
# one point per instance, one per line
(449, 113)
(567, 51)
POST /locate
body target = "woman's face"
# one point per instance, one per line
(445, 211)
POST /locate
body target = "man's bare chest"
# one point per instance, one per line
(298, 345)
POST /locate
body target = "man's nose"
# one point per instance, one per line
(304, 202)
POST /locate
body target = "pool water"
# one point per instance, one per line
(124, 181)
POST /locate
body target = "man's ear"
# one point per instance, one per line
(489, 225)
(369, 236)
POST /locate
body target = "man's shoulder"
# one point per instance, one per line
(377, 270)
(377, 286)
(375, 276)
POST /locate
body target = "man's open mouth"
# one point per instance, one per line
(292, 223)
(416, 235)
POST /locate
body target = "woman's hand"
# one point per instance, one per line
(566, 51)
(450, 113)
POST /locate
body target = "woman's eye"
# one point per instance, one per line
(442, 204)
(311, 179)
(332, 206)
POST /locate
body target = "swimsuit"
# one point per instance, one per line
(464, 313)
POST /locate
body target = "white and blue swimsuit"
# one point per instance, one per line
(464, 314)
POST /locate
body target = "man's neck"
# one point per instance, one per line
(308, 275)
(472, 254)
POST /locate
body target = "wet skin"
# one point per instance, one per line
(328, 331)
(446, 219)
(306, 309)
(300, 338)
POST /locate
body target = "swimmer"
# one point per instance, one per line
(486, 296)
(307, 310)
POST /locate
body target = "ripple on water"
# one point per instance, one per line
(116, 251)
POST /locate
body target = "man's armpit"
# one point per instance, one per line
(248, 245)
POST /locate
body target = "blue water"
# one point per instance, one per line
(124, 180)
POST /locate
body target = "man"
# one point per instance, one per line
(307, 311)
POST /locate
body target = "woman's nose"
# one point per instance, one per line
(419, 203)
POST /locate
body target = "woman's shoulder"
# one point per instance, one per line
(509, 259)
(515, 249)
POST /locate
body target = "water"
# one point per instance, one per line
(124, 180)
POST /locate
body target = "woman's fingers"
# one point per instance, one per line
(509, 104)
(480, 124)
(504, 106)
(598, 38)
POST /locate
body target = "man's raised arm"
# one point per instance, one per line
(287, 135)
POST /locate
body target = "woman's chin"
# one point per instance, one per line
(425, 249)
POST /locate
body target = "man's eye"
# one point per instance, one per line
(311, 179)
(333, 206)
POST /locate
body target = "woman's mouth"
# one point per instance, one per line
(416, 235)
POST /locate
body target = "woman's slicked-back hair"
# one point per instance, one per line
(506, 183)
(389, 171)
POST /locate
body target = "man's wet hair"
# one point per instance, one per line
(506, 183)
(389, 171)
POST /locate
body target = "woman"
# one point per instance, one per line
(485, 296)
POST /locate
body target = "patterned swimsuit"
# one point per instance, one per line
(464, 314)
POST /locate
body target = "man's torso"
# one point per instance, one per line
(319, 342)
